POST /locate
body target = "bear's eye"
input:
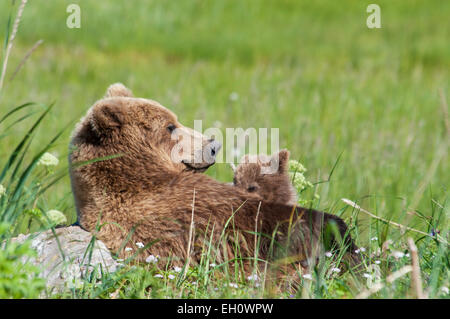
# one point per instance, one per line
(171, 128)
(251, 189)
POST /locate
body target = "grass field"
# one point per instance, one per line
(370, 103)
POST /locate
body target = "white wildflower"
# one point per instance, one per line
(2, 190)
(337, 270)
(56, 217)
(128, 249)
(171, 277)
(48, 160)
(151, 259)
(445, 290)
(374, 238)
(362, 249)
(398, 254)
(194, 283)
(177, 269)
(158, 276)
(234, 96)
(140, 245)
(233, 285)
(328, 254)
(368, 276)
(307, 276)
(253, 277)
(407, 255)
(357, 251)
(377, 262)
(212, 265)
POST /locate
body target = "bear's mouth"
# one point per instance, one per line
(196, 168)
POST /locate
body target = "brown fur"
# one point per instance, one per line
(270, 186)
(143, 194)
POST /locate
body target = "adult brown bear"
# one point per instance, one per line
(128, 186)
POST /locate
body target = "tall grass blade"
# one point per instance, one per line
(25, 175)
(21, 145)
(14, 110)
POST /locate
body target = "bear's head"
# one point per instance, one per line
(266, 176)
(142, 131)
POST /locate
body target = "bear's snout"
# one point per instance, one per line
(213, 147)
(210, 151)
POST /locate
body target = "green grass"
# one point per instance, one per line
(312, 69)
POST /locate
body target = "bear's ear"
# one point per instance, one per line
(282, 157)
(108, 115)
(249, 158)
(118, 89)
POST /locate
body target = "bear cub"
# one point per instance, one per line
(267, 177)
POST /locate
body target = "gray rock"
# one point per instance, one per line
(67, 264)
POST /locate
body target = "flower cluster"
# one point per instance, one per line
(296, 166)
(56, 217)
(177, 269)
(296, 172)
(140, 245)
(152, 259)
(48, 160)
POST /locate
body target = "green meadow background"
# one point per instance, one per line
(367, 105)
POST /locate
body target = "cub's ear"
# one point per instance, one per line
(282, 157)
(108, 115)
(249, 158)
(118, 89)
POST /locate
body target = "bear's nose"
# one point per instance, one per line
(214, 147)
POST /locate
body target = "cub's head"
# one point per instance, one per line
(266, 176)
(143, 132)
